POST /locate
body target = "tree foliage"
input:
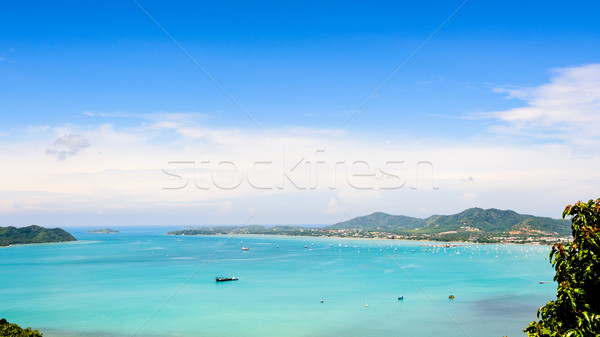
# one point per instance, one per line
(576, 310)
(486, 220)
(32, 234)
(13, 330)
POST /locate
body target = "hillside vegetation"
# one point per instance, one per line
(13, 330)
(483, 220)
(380, 221)
(472, 225)
(33, 234)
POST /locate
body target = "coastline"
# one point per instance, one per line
(36, 244)
(440, 243)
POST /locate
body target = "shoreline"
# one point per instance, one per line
(441, 243)
(36, 243)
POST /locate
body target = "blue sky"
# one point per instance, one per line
(98, 105)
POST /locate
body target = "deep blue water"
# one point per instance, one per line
(144, 283)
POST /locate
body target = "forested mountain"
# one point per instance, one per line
(32, 234)
(484, 220)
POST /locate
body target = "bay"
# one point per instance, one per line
(142, 282)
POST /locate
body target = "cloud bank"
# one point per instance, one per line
(567, 108)
(177, 169)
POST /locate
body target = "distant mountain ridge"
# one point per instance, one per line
(33, 234)
(476, 219)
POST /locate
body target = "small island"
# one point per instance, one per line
(103, 231)
(33, 234)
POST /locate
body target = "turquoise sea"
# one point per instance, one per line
(141, 282)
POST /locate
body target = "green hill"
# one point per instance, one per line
(474, 219)
(472, 225)
(380, 221)
(33, 234)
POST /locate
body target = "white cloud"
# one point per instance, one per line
(123, 170)
(469, 197)
(7, 206)
(333, 207)
(566, 109)
(225, 206)
(67, 146)
(4, 55)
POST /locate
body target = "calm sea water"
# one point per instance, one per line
(144, 283)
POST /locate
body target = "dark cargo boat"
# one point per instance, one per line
(223, 279)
